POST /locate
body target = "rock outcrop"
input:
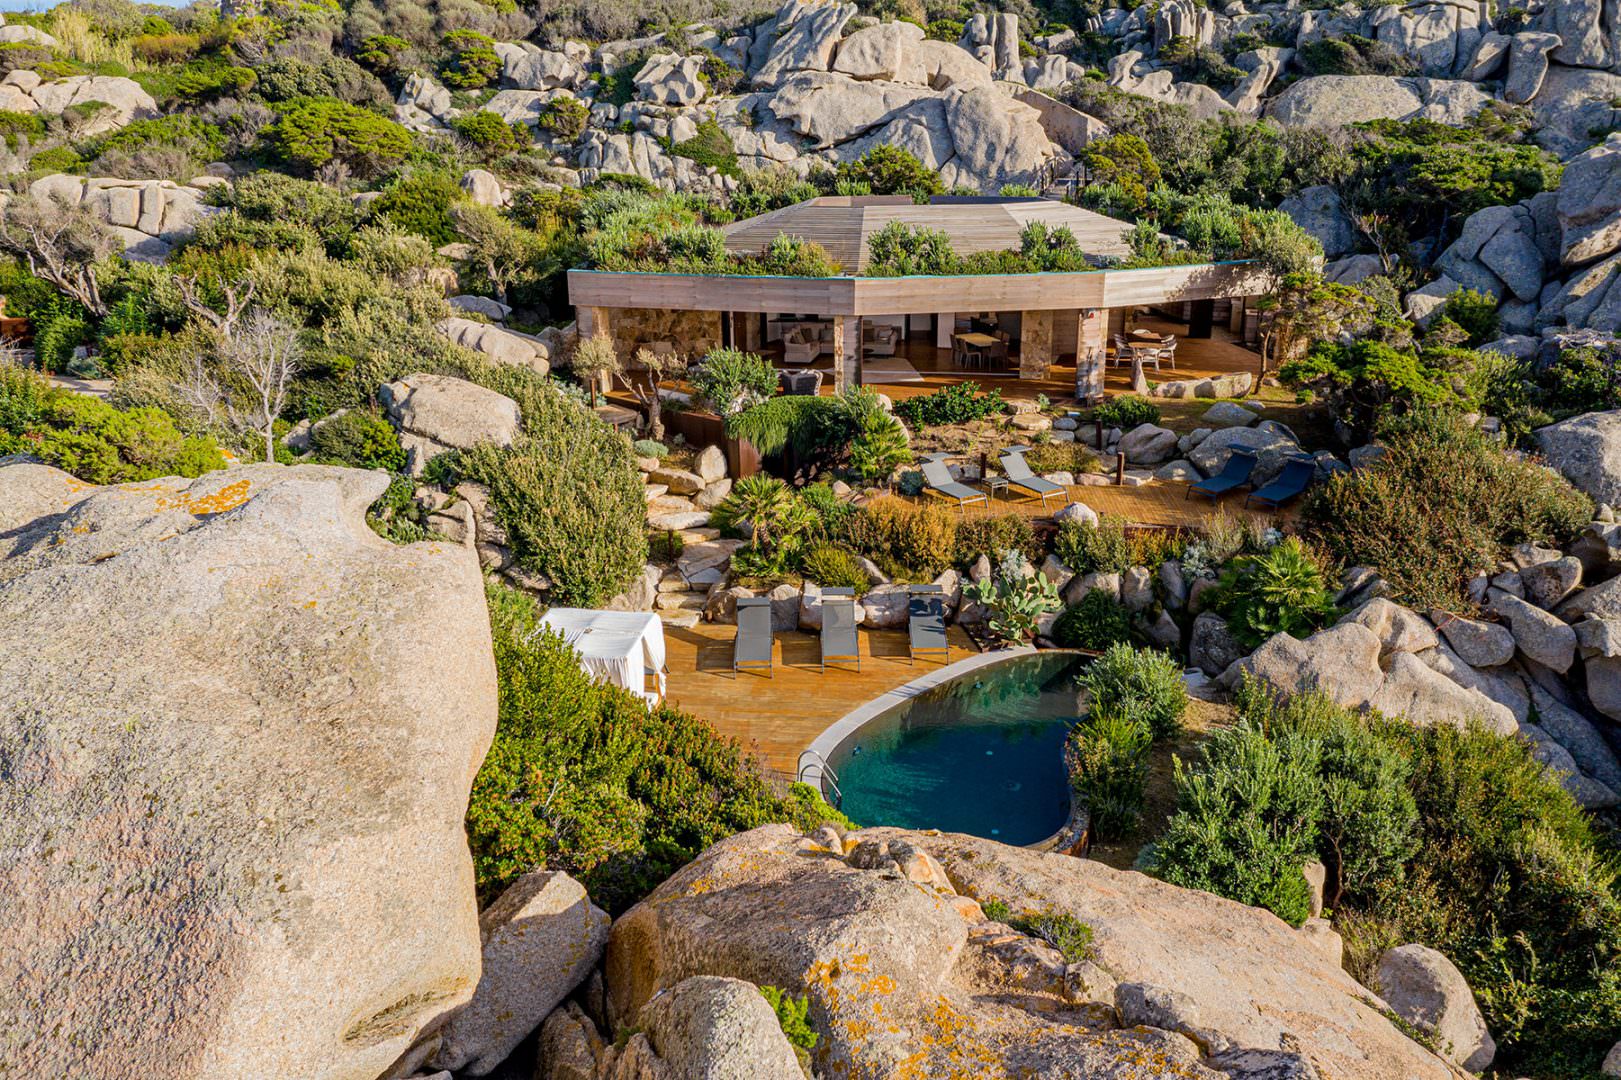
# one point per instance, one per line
(239, 731)
(435, 413)
(883, 930)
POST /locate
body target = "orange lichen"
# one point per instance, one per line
(226, 498)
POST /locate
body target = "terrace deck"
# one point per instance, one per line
(777, 716)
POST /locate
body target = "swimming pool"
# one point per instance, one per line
(979, 753)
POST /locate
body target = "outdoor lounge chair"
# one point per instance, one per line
(937, 478)
(1017, 471)
(926, 623)
(1294, 479)
(839, 639)
(752, 646)
(1235, 474)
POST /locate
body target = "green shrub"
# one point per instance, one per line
(565, 117)
(711, 148)
(421, 203)
(1126, 412)
(793, 1016)
(470, 60)
(1283, 590)
(1015, 596)
(568, 495)
(1086, 548)
(794, 256)
(890, 170)
(650, 448)
(832, 567)
(59, 329)
(1352, 54)
(1441, 506)
(93, 440)
(313, 131)
(1140, 684)
(587, 778)
(15, 124)
(360, 438)
(491, 136)
(1063, 931)
(992, 536)
(1475, 313)
(880, 446)
(958, 403)
(730, 381)
(1095, 623)
(905, 539)
(1246, 821)
(1107, 754)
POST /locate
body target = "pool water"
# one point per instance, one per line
(981, 754)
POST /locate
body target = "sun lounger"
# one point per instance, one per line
(937, 478)
(1018, 474)
(1295, 478)
(1235, 474)
(839, 639)
(926, 622)
(751, 649)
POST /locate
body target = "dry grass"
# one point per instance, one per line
(85, 44)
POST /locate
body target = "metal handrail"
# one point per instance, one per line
(829, 777)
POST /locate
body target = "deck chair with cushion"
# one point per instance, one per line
(937, 478)
(1235, 474)
(751, 649)
(1295, 478)
(926, 623)
(1017, 471)
(839, 639)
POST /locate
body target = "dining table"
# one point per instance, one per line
(972, 341)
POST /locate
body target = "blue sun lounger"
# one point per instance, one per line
(1295, 478)
(1235, 474)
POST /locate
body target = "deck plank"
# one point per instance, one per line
(777, 716)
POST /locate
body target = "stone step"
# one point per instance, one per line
(681, 620)
(676, 601)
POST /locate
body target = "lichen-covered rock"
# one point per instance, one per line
(713, 1028)
(240, 730)
(902, 975)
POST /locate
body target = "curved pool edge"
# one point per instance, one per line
(823, 746)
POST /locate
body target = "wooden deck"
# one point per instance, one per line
(777, 716)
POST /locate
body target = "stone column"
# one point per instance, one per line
(746, 331)
(1091, 358)
(846, 351)
(1036, 351)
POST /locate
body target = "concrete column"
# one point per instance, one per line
(846, 351)
(1036, 352)
(1091, 358)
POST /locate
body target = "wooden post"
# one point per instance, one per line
(1120, 470)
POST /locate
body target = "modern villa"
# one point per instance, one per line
(856, 329)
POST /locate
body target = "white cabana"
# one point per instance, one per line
(619, 647)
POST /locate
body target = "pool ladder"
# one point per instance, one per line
(829, 781)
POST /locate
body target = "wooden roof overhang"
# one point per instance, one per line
(836, 296)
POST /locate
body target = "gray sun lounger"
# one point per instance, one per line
(936, 477)
(1295, 478)
(1235, 474)
(751, 649)
(1017, 471)
(839, 639)
(926, 623)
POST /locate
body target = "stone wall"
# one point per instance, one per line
(1036, 344)
(693, 333)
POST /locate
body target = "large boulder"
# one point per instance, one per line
(1271, 446)
(436, 413)
(886, 924)
(1318, 210)
(1586, 450)
(1212, 648)
(124, 100)
(1423, 696)
(542, 937)
(1427, 990)
(498, 343)
(829, 108)
(1342, 662)
(1540, 636)
(999, 140)
(672, 79)
(239, 731)
(886, 51)
(1590, 204)
(713, 1028)
(802, 37)
(1333, 100)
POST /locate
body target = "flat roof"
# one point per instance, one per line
(843, 223)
